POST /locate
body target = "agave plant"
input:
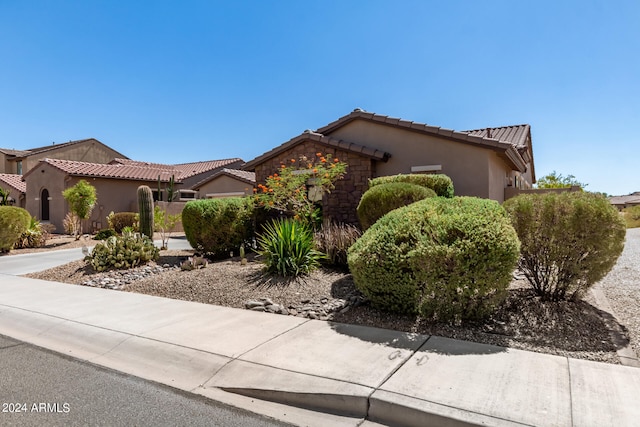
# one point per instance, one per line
(287, 248)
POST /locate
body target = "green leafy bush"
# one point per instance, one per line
(218, 226)
(122, 252)
(14, 222)
(383, 198)
(569, 240)
(35, 235)
(440, 183)
(448, 259)
(632, 216)
(104, 234)
(119, 220)
(287, 248)
(334, 240)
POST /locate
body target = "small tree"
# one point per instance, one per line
(556, 180)
(82, 198)
(296, 187)
(5, 200)
(165, 223)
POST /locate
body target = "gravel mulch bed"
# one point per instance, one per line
(573, 329)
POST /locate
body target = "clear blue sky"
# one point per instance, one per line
(184, 81)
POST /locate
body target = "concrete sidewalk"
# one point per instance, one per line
(310, 372)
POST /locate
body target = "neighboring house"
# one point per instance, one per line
(226, 183)
(627, 201)
(16, 187)
(85, 150)
(116, 185)
(490, 163)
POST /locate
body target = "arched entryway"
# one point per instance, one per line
(44, 205)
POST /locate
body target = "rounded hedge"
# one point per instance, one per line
(570, 240)
(218, 226)
(14, 221)
(440, 183)
(448, 259)
(382, 199)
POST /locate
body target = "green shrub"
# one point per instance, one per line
(119, 220)
(34, 237)
(287, 248)
(104, 234)
(569, 240)
(122, 252)
(632, 216)
(448, 259)
(383, 198)
(334, 240)
(440, 183)
(218, 226)
(14, 222)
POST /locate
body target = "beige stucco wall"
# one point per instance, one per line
(225, 184)
(475, 171)
(89, 151)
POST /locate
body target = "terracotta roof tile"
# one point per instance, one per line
(16, 153)
(190, 169)
(116, 171)
(13, 180)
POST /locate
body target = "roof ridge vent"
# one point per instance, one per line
(358, 110)
(307, 131)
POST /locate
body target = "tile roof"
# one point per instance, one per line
(248, 177)
(16, 153)
(515, 135)
(508, 147)
(116, 171)
(322, 139)
(13, 180)
(633, 198)
(190, 169)
(46, 148)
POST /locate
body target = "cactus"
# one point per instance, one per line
(145, 208)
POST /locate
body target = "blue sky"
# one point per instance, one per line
(183, 81)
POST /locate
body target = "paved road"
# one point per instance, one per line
(67, 392)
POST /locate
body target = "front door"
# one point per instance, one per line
(44, 205)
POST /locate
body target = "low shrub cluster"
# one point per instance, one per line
(104, 234)
(14, 222)
(287, 248)
(448, 259)
(334, 240)
(122, 252)
(383, 198)
(119, 220)
(569, 240)
(632, 216)
(440, 183)
(218, 227)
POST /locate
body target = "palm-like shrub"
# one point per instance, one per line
(569, 240)
(35, 235)
(287, 248)
(448, 259)
(381, 199)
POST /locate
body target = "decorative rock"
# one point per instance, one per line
(258, 308)
(250, 304)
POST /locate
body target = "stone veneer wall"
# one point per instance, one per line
(341, 204)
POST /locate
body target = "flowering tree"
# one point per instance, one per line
(298, 185)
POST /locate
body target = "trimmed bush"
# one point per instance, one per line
(14, 222)
(440, 183)
(632, 216)
(381, 199)
(569, 240)
(287, 248)
(123, 252)
(448, 259)
(120, 220)
(334, 240)
(218, 226)
(104, 234)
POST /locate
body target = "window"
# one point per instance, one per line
(19, 167)
(426, 169)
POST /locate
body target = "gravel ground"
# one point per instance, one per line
(574, 329)
(622, 288)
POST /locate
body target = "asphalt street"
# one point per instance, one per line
(42, 388)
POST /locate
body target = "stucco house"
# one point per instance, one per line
(15, 186)
(116, 184)
(490, 163)
(622, 202)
